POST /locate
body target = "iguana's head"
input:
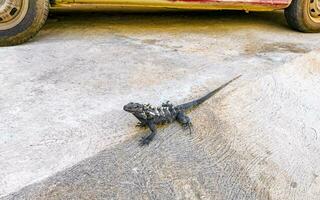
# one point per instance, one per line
(133, 107)
(141, 111)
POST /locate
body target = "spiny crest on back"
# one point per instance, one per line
(167, 104)
(149, 111)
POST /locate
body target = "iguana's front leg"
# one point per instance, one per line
(141, 124)
(146, 140)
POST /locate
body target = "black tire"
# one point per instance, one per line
(22, 26)
(304, 15)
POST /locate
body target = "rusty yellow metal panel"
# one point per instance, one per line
(64, 1)
(250, 5)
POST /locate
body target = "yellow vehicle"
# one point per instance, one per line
(20, 20)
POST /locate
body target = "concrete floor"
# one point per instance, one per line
(64, 135)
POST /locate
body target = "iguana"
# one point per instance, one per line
(167, 113)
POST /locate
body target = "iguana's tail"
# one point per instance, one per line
(197, 102)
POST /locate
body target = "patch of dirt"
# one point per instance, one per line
(276, 47)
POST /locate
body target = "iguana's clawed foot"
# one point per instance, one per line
(146, 140)
(188, 126)
(141, 125)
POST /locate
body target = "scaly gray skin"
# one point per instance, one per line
(167, 113)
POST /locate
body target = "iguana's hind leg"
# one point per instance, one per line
(148, 139)
(185, 121)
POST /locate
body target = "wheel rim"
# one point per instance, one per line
(314, 10)
(12, 12)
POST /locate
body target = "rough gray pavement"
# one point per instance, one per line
(64, 134)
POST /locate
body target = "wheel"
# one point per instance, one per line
(20, 20)
(304, 15)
